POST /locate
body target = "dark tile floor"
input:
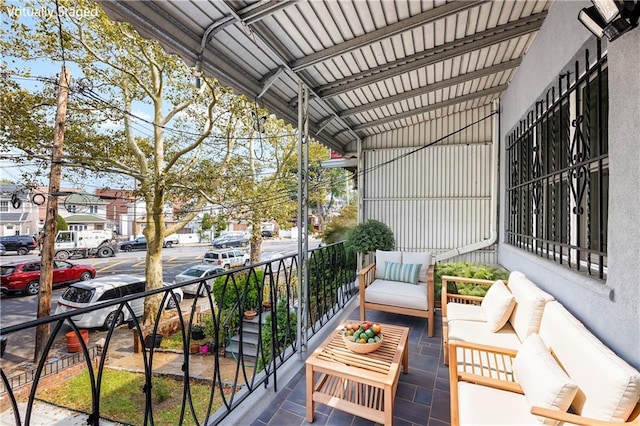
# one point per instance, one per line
(422, 397)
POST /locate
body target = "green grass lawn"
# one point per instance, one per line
(122, 399)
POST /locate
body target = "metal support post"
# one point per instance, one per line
(303, 217)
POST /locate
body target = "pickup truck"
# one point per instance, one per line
(140, 243)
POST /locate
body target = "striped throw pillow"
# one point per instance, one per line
(403, 272)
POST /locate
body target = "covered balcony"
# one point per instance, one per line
(489, 131)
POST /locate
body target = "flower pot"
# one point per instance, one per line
(249, 315)
(266, 305)
(194, 348)
(153, 340)
(73, 344)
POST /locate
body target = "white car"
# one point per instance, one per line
(200, 271)
(226, 259)
(98, 290)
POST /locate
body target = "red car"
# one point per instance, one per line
(24, 277)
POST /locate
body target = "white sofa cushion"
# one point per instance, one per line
(477, 332)
(544, 383)
(464, 311)
(497, 306)
(482, 405)
(609, 388)
(403, 272)
(421, 257)
(386, 256)
(396, 293)
(530, 301)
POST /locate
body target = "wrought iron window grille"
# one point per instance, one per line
(557, 184)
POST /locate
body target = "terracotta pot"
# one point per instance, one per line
(73, 344)
(194, 348)
(249, 315)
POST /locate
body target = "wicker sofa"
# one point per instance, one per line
(391, 284)
(558, 372)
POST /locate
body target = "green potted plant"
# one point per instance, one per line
(370, 236)
(197, 332)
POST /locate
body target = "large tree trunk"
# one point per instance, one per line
(155, 235)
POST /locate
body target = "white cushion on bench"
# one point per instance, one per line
(464, 311)
(544, 383)
(530, 301)
(396, 293)
(497, 305)
(609, 388)
(478, 332)
(482, 405)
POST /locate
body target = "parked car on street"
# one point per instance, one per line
(99, 290)
(230, 240)
(140, 243)
(199, 271)
(21, 244)
(3, 250)
(226, 259)
(24, 277)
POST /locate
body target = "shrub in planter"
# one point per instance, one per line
(197, 332)
(240, 290)
(468, 270)
(371, 236)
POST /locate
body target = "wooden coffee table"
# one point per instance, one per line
(360, 384)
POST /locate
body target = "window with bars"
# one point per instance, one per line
(4, 206)
(558, 179)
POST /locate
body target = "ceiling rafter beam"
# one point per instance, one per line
(269, 80)
(264, 39)
(462, 78)
(258, 11)
(432, 56)
(437, 105)
(404, 25)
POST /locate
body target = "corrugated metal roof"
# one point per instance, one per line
(371, 66)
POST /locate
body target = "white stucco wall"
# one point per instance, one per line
(610, 310)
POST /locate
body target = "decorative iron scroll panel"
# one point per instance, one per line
(558, 178)
(269, 287)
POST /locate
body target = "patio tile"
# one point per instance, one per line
(422, 397)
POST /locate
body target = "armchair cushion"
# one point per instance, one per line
(421, 257)
(386, 256)
(403, 272)
(544, 383)
(396, 293)
(497, 305)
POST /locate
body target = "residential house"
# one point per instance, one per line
(18, 211)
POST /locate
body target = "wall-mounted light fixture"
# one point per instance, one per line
(610, 18)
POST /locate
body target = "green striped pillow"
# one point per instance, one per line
(403, 272)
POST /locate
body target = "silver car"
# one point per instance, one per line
(99, 290)
(195, 272)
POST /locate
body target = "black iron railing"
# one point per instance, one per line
(255, 349)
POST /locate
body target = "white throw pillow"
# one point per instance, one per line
(544, 382)
(386, 256)
(421, 257)
(497, 306)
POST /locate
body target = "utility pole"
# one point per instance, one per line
(46, 267)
